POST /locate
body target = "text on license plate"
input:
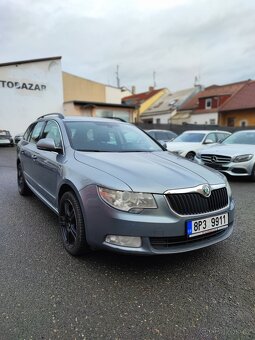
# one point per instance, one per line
(206, 225)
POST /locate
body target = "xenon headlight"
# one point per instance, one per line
(127, 200)
(243, 158)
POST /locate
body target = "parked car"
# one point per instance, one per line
(189, 142)
(235, 156)
(114, 188)
(162, 136)
(18, 137)
(6, 138)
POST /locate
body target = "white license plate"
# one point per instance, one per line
(206, 225)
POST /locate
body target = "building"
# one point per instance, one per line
(84, 97)
(204, 107)
(164, 110)
(29, 89)
(97, 109)
(142, 101)
(239, 110)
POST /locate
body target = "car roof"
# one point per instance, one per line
(159, 130)
(205, 131)
(81, 118)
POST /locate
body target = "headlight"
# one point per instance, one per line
(243, 158)
(198, 155)
(127, 200)
(228, 188)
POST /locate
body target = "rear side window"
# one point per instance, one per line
(35, 134)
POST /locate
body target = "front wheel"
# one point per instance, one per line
(190, 156)
(72, 225)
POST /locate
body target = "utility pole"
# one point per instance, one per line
(117, 76)
(154, 79)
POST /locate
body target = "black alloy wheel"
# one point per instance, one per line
(22, 185)
(190, 156)
(72, 225)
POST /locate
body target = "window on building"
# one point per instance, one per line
(104, 113)
(243, 123)
(158, 121)
(208, 103)
(212, 121)
(231, 121)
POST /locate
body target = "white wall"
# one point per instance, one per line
(28, 91)
(113, 95)
(203, 118)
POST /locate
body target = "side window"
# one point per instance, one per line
(51, 130)
(222, 136)
(211, 138)
(34, 136)
(28, 132)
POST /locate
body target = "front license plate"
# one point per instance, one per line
(206, 225)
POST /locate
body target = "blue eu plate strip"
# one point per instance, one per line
(189, 227)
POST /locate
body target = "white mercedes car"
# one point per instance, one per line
(189, 142)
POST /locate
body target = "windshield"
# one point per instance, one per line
(190, 137)
(241, 137)
(4, 133)
(108, 137)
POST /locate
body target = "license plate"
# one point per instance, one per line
(206, 225)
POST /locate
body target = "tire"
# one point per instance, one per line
(190, 155)
(72, 225)
(252, 177)
(22, 185)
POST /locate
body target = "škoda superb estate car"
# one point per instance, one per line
(113, 187)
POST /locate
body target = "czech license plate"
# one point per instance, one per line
(206, 225)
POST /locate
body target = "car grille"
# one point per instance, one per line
(215, 159)
(166, 242)
(195, 203)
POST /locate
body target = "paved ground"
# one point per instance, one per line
(47, 294)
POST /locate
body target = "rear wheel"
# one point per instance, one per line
(22, 185)
(72, 225)
(190, 155)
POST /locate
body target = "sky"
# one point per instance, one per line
(177, 39)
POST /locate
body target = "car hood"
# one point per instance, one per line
(172, 146)
(229, 150)
(153, 172)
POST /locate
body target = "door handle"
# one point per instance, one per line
(34, 157)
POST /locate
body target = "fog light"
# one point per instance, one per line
(125, 241)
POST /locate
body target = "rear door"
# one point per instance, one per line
(29, 153)
(49, 164)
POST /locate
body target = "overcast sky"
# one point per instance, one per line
(178, 39)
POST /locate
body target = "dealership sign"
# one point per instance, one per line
(22, 86)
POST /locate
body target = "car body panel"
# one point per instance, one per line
(49, 173)
(183, 148)
(221, 156)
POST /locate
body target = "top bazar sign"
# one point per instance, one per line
(22, 85)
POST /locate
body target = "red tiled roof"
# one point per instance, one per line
(212, 91)
(243, 99)
(139, 98)
(190, 104)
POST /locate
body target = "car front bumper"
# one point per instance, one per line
(231, 168)
(161, 230)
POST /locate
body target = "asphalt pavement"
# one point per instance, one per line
(47, 294)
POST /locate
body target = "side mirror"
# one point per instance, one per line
(47, 144)
(208, 141)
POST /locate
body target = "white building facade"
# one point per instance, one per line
(29, 89)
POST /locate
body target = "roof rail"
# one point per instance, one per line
(116, 118)
(60, 115)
